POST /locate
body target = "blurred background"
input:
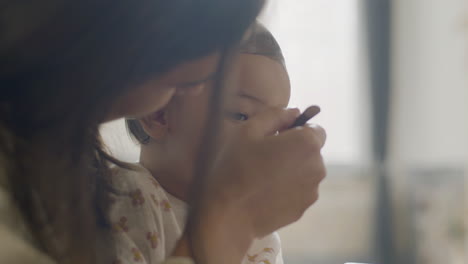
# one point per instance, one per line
(391, 77)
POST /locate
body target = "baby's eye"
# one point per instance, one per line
(239, 116)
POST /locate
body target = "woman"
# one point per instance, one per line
(68, 66)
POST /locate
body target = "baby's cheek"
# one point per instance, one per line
(229, 131)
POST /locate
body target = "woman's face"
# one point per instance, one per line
(188, 78)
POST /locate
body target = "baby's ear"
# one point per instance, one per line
(155, 124)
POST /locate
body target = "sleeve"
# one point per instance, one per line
(266, 250)
(279, 257)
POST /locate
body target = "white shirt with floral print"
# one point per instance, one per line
(147, 222)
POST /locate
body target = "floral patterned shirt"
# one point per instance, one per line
(148, 222)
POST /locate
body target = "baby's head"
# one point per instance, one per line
(170, 138)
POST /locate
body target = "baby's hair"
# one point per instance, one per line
(258, 40)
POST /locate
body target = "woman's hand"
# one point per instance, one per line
(259, 183)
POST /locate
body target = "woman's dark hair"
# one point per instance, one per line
(63, 65)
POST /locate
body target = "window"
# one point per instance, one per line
(323, 45)
(323, 48)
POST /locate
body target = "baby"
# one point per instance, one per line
(150, 200)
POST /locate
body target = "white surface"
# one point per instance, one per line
(118, 141)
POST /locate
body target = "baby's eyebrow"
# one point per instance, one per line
(250, 97)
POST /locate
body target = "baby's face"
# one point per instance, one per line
(260, 83)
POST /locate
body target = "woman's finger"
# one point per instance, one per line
(272, 120)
